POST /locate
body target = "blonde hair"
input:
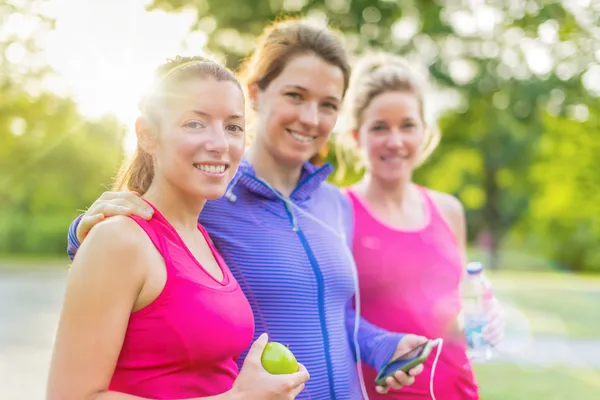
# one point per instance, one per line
(137, 173)
(378, 73)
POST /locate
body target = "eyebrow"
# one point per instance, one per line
(381, 121)
(205, 115)
(303, 89)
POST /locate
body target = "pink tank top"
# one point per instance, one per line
(409, 282)
(185, 343)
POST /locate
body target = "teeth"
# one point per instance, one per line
(212, 169)
(302, 138)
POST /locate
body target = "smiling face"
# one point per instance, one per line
(391, 135)
(201, 137)
(298, 109)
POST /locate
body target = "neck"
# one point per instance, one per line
(180, 209)
(281, 177)
(385, 194)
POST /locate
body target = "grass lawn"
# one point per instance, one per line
(26, 261)
(551, 303)
(545, 303)
(511, 382)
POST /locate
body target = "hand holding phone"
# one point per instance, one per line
(405, 362)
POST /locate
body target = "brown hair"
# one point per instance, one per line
(286, 39)
(137, 173)
(379, 73)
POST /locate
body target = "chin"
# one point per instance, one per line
(295, 158)
(392, 178)
(208, 192)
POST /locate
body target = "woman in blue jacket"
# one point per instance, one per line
(283, 230)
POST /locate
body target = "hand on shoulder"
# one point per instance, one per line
(117, 244)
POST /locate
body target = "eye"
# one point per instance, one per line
(379, 128)
(194, 125)
(235, 128)
(294, 95)
(331, 106)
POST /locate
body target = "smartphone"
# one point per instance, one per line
(405, 362)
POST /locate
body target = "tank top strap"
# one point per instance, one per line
(436, 217)
(357, 204)
(150, 227)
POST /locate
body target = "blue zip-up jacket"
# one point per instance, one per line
(295, 267)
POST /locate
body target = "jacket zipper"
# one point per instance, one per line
(320, 284)
(320, 293)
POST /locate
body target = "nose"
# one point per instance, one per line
(309, 114)
(395, 140)
(217, 142)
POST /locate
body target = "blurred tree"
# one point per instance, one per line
(506, 64)
(53, 161)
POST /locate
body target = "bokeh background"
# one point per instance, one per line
(515, 90)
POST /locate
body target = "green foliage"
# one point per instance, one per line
(498, 134)
(520, 138)
(53, 162)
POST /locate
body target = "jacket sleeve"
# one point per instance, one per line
(376, 345)
(72, 242)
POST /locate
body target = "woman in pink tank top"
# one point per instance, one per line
(409, 241)
(151, 311)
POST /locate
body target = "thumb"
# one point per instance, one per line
(301, 376)
(257, 347)
(414, 340)
(86, 224)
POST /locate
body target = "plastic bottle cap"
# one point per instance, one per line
(474, 268)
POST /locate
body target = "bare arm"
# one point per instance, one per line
(105, 280)
(123, 396)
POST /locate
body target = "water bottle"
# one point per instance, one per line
(476, 291)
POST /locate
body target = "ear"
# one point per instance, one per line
(253, 91)
(145, 135)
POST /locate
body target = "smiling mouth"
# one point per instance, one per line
(212, 169)
(394, 157)
(300, 138)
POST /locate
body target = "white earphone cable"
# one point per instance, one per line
(440, 342)
(342, 236)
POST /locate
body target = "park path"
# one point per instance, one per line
(30, 300)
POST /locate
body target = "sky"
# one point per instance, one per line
(106, 51)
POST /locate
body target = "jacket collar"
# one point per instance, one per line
(311, 178)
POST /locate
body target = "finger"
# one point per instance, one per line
(134, 198)
(110, 210)
(86, 224)
(401, 379)
(125, 194)
(412, 341)
(300, 377)
(392, 383)
(297, 390)
(416, 370)
(381, 389)
(257, 347)
(135, 204)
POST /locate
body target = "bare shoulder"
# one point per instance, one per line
(451, 208)
(118, 233)
(116, 244)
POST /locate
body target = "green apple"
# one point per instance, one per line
(277, 359)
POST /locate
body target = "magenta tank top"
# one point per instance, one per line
(185, 343)
(409, 282)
